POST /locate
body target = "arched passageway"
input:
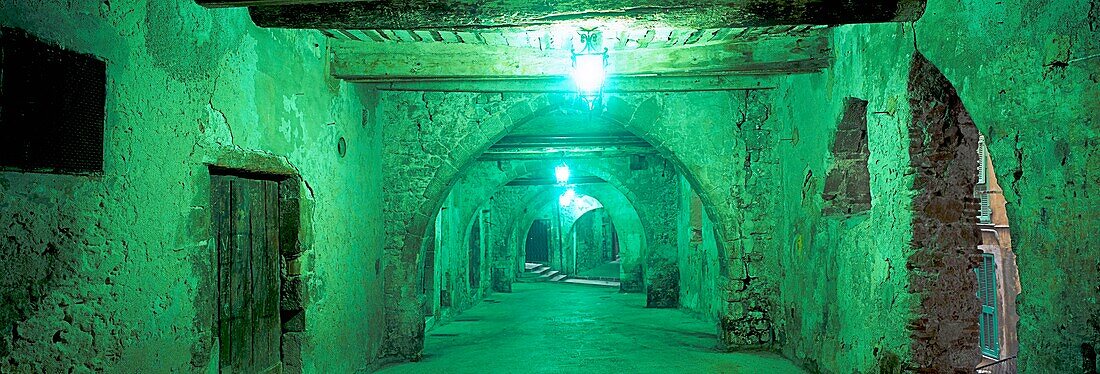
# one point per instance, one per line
(636, 118)
(639, 194)
(323, 186)
(630, 235)
(593, 247)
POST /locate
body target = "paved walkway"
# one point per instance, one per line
(607, 270)
(564, 328)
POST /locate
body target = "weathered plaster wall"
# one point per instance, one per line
(843, 277)
(116, 271)
(885, 280)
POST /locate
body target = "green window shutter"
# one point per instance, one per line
(985, 211)
(987, 293)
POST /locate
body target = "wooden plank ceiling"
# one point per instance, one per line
(558, 39)
(641, 55)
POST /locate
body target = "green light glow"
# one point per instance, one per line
(589, 73)
(567, 197)
(561, 173)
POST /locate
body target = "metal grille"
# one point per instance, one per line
(51, 107)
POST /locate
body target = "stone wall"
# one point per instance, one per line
(116, 271)
(510, 205)
(458, 219)
(629, 195)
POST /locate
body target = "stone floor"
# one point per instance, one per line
(608, 270)
(564, 328)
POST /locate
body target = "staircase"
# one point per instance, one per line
(536, 272)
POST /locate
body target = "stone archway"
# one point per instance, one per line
(484, 180)
(632, 238)
(417, 181)
(943, 155)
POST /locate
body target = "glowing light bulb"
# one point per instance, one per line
(567, 197)
(562, 173)
(589, 73)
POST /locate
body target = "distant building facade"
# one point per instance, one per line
(998, 279)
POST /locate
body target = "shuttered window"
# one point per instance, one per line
(985, 211)
(987, 293)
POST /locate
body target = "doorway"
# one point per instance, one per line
(538, 242)
(475, 253)
(245, 216)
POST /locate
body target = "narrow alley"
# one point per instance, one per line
(550, 186)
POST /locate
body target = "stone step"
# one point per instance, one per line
(588, 282)
(587, 277)
(540, 273)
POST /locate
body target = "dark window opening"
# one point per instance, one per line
(848, 183)
(51, 107)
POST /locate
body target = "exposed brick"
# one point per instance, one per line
(848, 183)
(945, 329)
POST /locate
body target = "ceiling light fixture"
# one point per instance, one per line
(590, 66)
(561, 173)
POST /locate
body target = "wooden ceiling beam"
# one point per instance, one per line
(435, 62)
(582, 153)
(564, 85)
(492, 14)
(537, 181)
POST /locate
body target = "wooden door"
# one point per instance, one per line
(245, 217)
(538, 241)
